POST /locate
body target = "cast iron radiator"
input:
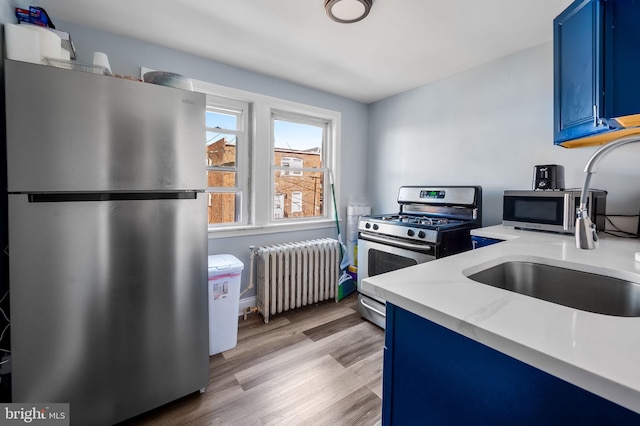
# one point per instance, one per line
(296, 274)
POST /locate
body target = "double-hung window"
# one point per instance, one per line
(227, 161)
(268, 162)
(299, 167)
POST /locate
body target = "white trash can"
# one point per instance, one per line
(225, 272)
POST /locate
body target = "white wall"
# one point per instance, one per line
(487, 126)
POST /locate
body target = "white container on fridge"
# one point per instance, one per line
(225, 273)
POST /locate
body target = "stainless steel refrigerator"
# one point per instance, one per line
(107, 242)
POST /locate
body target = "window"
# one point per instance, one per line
(298, 143)
(226, 160)
(291, 162)
(268, 162)
(278, 206)
(296, 201)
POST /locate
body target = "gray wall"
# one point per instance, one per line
(488, 126)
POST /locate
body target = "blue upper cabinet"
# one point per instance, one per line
(596, 69)
(577, 61)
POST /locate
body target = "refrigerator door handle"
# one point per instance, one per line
(110, 196)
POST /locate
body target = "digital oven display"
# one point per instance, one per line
(437, 195)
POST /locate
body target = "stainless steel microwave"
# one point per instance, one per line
(553, 211)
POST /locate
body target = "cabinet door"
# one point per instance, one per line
(435, 376)
(578, 70)
(621, 63)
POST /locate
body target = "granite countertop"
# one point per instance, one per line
(600, 353)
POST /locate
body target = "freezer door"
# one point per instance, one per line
(108, 304)
(76, 131)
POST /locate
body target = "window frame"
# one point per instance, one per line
(305, 119)
(242, 184)
(260, 197)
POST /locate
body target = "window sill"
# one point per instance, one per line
(239, 231)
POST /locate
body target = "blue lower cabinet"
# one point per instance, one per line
(434, 376)
(478, 242)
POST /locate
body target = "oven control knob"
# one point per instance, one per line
(411, 232)
(367, 225)
(375, 226)
(421, 234)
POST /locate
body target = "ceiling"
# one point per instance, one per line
(401, 45)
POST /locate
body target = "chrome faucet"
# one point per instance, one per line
(586, 237)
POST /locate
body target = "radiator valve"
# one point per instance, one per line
(249, 310)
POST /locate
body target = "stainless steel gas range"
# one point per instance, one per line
(433, 222)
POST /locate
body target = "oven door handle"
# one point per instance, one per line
(402, 244)
(371, 308)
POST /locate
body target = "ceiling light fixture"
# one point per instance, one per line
(347, 11)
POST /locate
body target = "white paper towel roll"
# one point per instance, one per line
(22, 43)
(354, 211)
(50, 43)
(65, 54)
(101, 59)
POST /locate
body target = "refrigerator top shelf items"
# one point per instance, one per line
(76, 66)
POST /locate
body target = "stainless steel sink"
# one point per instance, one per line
(569, 287)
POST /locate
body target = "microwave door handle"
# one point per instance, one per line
(568, 215)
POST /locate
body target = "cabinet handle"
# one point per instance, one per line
(595, 116)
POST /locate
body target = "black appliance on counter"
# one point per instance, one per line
(433, 222)
(548, 177)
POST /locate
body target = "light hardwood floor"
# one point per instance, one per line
(317, 365)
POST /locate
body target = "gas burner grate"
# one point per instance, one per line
(422, 220)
